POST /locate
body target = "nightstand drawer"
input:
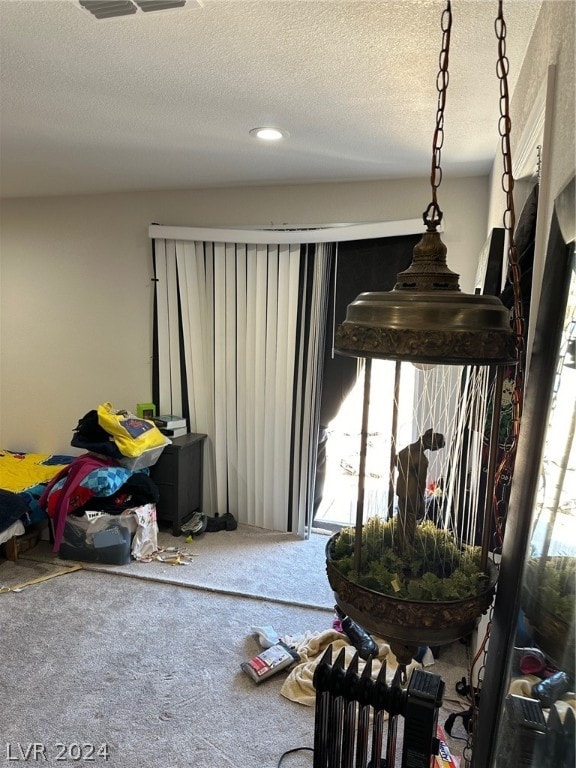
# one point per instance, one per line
(178, 474)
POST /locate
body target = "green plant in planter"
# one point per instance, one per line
(433, 569)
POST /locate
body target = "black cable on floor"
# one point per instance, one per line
(290, 751)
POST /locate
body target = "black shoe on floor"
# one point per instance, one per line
(226, 522)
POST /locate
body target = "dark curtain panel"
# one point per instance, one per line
(362, 265)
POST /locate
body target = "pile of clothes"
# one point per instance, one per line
(107, 479)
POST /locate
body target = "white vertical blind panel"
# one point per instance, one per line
(220, 405)
(242, 366)
(270, 402)
(204, 375)
(230, 380)
(195, 330)
(208, 313)
(202, 382)
(249, 443)
(259, 436)
(191, 317)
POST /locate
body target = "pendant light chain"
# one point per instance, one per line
(505, 469)
(506, 466)
(433, 215)
(509, 219)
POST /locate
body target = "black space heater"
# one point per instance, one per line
(350, 727)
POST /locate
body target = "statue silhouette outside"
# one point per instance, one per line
(412, 465)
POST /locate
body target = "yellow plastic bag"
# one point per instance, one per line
(132, 435)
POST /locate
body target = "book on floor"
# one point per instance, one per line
(269, 662)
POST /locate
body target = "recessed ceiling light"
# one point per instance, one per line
(268, 134)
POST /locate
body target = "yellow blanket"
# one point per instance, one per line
(19, 471)
(299, 685)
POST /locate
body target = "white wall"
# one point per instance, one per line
(76, 291)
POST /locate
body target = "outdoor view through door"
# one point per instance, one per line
(338, 505)
(362, 265)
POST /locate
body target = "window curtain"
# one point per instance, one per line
(239, 337)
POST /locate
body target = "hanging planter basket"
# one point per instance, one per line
(405, 623)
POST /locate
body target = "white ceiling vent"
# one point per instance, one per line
(108, 9)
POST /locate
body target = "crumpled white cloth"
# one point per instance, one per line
(299, 686)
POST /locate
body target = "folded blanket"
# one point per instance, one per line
(19, 471)
(299, 686)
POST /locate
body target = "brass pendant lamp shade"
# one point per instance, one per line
(427, 319)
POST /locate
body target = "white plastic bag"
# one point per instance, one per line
(145, 541)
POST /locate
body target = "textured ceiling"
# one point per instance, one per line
(166, 100)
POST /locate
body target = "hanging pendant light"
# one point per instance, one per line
(426, 318)
(463, 346)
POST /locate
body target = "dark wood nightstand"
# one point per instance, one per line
(178, 474)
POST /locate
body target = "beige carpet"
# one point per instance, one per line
(249, 561)
(147, 655)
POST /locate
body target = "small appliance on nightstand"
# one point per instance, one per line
(178, 474)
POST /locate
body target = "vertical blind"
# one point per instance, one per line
(240, 342)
